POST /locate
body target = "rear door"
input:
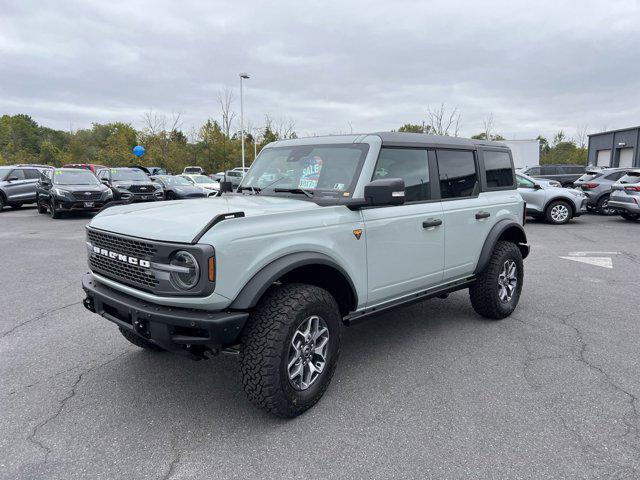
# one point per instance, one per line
(466, 216)
(405, 244)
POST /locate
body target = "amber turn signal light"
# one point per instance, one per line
(212, 269)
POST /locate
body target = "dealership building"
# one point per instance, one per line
(615, 148)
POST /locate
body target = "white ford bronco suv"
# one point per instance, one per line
(321, 233)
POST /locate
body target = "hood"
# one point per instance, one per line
(180, 221)
(187, 189)
(81, 188)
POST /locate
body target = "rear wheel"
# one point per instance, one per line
(496, 291)
(603, 206)
(139, 341)
(630, 216)
(2, 202)
(171, 196)
(558, 212)
(290, 349)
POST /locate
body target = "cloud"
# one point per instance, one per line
(330, 66)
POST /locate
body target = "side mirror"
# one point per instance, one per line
(45, 182)
(226, 187)
(12, 179)
(388, 191)
(105, 181)
(537, 186)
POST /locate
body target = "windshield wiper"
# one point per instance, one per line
(254, 190)
(294, 190)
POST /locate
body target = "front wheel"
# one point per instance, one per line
(290, 349)
(15, 206)
(41, 208)
(558, 212)
(496, 291)
(53, 211)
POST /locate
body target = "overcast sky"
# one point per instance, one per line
(330, 66)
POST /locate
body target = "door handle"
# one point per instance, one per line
(432, 222)
(480, 215)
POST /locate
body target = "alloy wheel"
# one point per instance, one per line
(507, 281)
(308, 352)
(559, 213)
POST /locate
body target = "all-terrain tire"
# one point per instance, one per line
(555, 218)
(139, 341)
(484, 292)
(266, 341)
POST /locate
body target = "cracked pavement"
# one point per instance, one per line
(430, 391)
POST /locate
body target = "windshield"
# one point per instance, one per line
(74, 177)
(202, 179)
(4, 171)
(128, 175)
(174, 181)
(327, 169)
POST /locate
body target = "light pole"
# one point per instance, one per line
(242, 76)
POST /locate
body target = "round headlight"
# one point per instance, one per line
(188, 278)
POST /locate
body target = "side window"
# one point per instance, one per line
(409, 164)
(103, 175)
(523, 182)
(32, 174)
(615, 176)
(549, 170)
(498, 170)
(533, 171)
(458, 176)
(17, 174)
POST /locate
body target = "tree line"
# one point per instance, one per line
(215, 145)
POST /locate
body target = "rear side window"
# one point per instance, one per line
(549, 171)
(498, 170)
(409, 164)
(533, 171)
(615, 175)
(458, 176)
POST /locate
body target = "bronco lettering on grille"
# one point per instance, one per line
(123, 258)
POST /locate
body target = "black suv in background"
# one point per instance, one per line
(130, 185)
(18, 185)
(66, 189)
(565, 174)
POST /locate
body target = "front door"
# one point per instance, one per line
(405, 244)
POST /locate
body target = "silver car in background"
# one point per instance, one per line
(596, 183)
(625, 195)
(557, 205)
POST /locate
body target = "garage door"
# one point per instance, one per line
(626, 157)
(604, 158)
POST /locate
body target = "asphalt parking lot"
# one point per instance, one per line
(430, 391)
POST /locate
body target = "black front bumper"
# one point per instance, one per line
(78, 205)
(194, 333)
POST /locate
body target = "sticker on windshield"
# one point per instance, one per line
(58, 172)
(311, 173)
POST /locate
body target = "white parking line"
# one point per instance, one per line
(586, 254)
(604, 262)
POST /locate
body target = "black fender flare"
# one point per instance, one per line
(515, 233)
(261, 281)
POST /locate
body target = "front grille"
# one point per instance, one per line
(87, 196)
(126, 246)
(142, 189)
(119, 270)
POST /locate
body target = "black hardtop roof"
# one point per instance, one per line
(426, 140)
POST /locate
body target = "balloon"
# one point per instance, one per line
(138, 150)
